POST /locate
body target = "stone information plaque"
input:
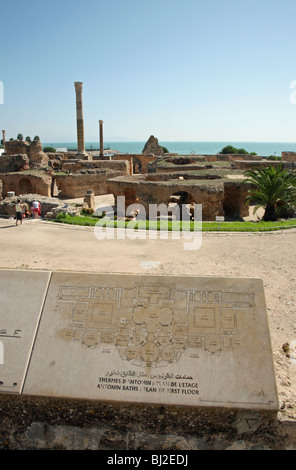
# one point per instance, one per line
(22, 295)
(155, 339)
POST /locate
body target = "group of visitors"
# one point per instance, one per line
(22, 211)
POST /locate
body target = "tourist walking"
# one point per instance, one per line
(18, 212)
(36, 209)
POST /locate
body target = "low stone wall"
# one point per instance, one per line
(230, 157)
(180, 174)
(251, 164)
(289, 156)
(7, 205)
(76, 185)
(178, 168)
(73, 166)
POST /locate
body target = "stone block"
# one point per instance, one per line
(22, 295)
(9, 163)
(201, 342)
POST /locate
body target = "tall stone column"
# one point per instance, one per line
(80, 122)
(101, 139)
(4, 138)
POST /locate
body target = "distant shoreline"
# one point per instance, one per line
(184, 148)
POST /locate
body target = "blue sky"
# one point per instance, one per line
(197, 70)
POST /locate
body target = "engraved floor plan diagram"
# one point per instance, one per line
(151, 326)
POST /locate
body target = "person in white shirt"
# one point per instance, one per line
(35, 206)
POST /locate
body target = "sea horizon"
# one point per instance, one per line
(264, 149)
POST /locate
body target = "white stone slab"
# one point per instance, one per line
(22, 295)
(154, 339)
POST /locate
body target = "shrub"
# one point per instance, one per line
(49, 149)
(228, 149)
(61, 215)
(20, 137)
(86, 211)
(242, 152)
(285, 211)
(274, 158)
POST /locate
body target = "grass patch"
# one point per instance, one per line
(259, 226)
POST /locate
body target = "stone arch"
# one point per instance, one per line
(137, 165)
(181, 198)
(26, 186)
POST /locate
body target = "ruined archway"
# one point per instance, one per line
(183, 203)
(137, 165)
(25, 186)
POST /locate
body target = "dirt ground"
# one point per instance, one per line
(44, 245)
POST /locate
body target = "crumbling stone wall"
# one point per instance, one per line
(147, 192)
(234, 204)
(37, 157)
(16, 162)
(25, 183)
(7, 205)
(138, 163)
(152, 147)
(33, 150)
(77, 184)
(14, 147)
(252, 164)
(73, 166)
(289, 156)
(220, 197)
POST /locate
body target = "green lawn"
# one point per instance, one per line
(184, 226)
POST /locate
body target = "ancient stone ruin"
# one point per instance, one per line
(214, 181)
(154, 177)
(152, 147)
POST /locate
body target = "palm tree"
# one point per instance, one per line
(273, 187)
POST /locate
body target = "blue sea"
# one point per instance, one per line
(264, 149)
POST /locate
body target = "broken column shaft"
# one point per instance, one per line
(79, 117)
